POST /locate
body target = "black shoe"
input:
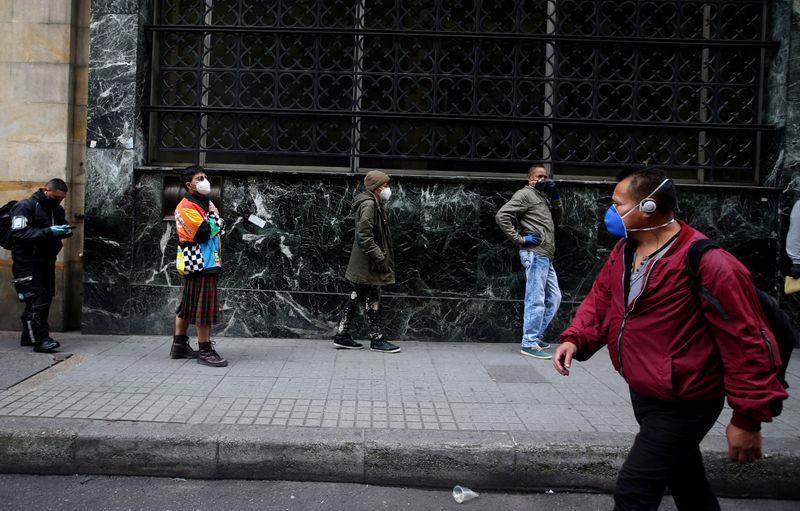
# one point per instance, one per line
(180, 348)
(345, 341)
(208, 356)
(46, 345)
(383, 346)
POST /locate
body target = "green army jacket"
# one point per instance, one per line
(372, 258)
(532, 212)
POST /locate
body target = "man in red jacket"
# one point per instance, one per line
(678, 355)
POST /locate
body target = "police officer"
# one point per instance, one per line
(38, 225)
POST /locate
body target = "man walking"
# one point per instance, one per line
(536, 209)
(679, 356)
(38, 226)
(199, 226)
(371, 264)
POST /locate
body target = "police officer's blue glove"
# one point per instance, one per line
(531, 240)
(549, 188)
(61, 231)
(794, 271)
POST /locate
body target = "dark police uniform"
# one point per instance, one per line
(34, 254)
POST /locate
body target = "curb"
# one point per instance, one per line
(519, 461)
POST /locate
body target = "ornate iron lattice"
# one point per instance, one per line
(461, 84)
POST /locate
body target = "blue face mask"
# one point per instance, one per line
(614, 222)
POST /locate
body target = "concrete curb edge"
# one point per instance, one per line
(483, 460)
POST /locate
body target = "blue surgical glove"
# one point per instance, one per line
(61, 231)
(531, 240)
(794, 271)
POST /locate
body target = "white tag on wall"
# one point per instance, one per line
(257, 221)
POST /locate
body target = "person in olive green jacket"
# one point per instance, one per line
(536, 209)
(371, 264)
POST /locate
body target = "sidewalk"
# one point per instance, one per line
(437, 414)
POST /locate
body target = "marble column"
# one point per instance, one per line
(783, 111)
(791, 40)
(114, 147)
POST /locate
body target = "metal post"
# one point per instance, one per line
(549, 88)
(702, 154)
(358, 63)
(204, 83)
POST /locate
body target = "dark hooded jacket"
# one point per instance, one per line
(31, 220)
(372, 258)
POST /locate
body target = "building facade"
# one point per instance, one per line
(44, 54)
(289, 103)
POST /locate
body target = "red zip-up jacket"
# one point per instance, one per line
(671, 345)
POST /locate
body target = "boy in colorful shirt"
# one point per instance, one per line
(199, 226)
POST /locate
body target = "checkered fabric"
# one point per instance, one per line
(199, 301)
(192, 258)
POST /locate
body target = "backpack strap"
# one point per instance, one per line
(696, 251)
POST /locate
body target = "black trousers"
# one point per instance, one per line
(35, 283)
(666, 454)
(370, 296)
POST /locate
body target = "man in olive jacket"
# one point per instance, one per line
(536, 209)
(371, 264)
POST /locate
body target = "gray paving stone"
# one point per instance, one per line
(287, 382)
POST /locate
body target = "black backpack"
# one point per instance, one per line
(780, 323)
(5, 225)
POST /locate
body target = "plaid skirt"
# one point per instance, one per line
(199, 301)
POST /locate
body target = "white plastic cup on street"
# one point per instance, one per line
(463, 494)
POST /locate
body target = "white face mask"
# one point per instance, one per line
(203, 187)
(386, 193)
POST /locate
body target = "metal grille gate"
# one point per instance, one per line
(461, 85)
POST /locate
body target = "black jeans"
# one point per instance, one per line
(371, 297)
(35, 282)
(666, 454)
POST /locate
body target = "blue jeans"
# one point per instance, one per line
(542, 296)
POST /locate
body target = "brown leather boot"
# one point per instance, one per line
(181, 348)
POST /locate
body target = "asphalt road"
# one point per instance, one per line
(26, 492)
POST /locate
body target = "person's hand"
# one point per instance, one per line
(531, 240)
(61, 231)
(549, 188)
(794, 271)
(562, 358)
(743, 446)
(212, 208)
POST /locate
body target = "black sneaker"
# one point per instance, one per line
(208, 356)
(346, 342)
(383, 346)
(47, 345)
